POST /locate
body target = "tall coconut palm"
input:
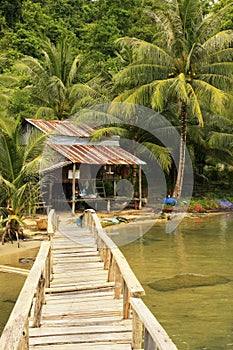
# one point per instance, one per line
(191, 65)
(55, 84)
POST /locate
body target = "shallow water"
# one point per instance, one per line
(11, 283)
(196, 318)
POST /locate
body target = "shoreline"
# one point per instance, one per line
(34, 237)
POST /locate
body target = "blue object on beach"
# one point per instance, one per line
(169, 201)
(224, 203)
(79, 220)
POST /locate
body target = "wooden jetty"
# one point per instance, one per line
(82, 295)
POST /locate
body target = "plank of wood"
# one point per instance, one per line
(72, 321)
(92, 329)
(96, 295)
(80, 308)
(67, 249)
(67, 255)
(11, 269)
(122, 337)
(87, 346)
(63, 289)
(77, 259)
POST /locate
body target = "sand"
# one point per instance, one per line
(9, 248)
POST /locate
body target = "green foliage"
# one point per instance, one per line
(11, 11)
(19, 166)
(227, 21)
(190, 65)
(20, 105)
(56, 88)
(171, 52)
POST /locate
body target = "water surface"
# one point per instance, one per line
(11, 283)
(196, 318)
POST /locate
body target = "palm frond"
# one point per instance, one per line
(108, 131)
(143, 49)
(8, 80)
(219, 41)
(161, 93)
(212, 23)
(221, 140)
(162, 154)
(44, 112)
(219, 80)
(195, 106)
(73, 70)
(141, 95)
(179, 87)
(222, 55)
(191, 12)
(212, 97)
(35, 144)
(138, 74)
(82, 90)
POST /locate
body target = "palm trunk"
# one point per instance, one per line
(180, 174)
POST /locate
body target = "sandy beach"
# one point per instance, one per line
(9, 248)
(33, 238)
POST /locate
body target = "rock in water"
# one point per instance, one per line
(187, 280)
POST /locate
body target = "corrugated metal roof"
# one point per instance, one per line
(97, 154)
(59, 127)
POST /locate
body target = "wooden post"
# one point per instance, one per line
(126, 301)
(111, 269)
(106, 258)
(73, 188)
(40, 300)
(149, 343)
(118, 282)
(47, 270)
(108, 205)
(136, 331)
(50, 190)
(24, 341)
(51, 257)
(140, 186)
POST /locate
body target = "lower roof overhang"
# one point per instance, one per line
(90, 154)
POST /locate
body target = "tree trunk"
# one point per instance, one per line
(180, 174)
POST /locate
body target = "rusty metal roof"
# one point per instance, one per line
(96, 154)
(58, 127)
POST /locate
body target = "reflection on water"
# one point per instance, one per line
(197, 317)
(10, 283)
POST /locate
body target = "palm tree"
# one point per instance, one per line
(142, 141)
(55, 84)
(19, 165)
(190, 66)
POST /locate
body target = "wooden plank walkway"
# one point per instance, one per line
(80, 310)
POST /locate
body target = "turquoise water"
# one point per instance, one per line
(196, 318)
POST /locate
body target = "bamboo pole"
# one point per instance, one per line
(73, 188)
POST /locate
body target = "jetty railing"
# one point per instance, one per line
(15, 335)
(146, 330)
